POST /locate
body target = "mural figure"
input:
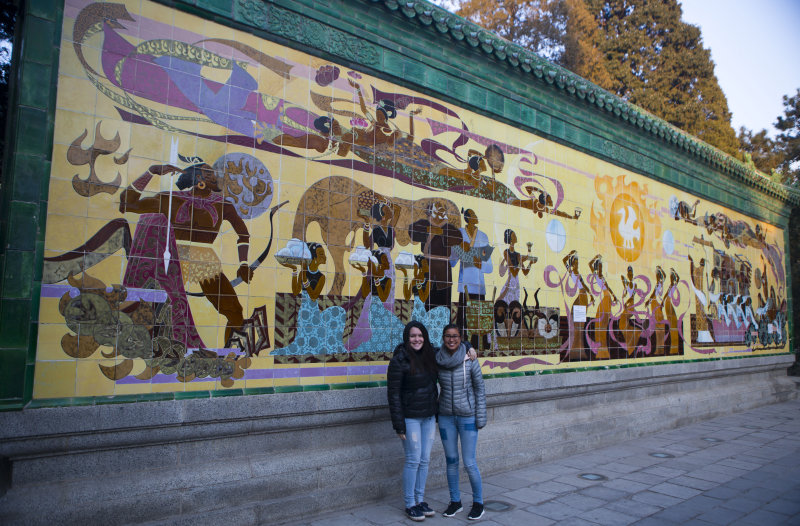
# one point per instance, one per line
(474, 254)
(382, 235)
(702, 323)
(318, 331)
(377, 324)
(197, 213)
(577, 316)
(680, 210)
(420, 285)
(513, 263)
(603, 316)
(477, 163)
(656, 311)
(331, 135)
(437, 238)
(335, 202)
(629, 324)
(542, 203)
(673, 327)
(309, 278)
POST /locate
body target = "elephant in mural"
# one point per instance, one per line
(342, 206)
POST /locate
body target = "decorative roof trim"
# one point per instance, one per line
(474, 36)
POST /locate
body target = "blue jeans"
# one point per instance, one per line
(417, 445)
(450, 428)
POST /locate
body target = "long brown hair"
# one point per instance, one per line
(424, 359)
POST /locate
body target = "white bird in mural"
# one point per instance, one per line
(626, 226)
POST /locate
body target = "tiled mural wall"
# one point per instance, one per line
(225, 212)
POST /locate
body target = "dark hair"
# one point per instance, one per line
(469, 212)
(312, 247)
(515, 307)
(388, 108)
(500, 304)
(474, 162)
(419, 258)
(425, 358)
(452, 326)
(191, 175)
(507, 235)
(323, 124)
(377, 211)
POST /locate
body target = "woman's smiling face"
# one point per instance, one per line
(415, 338)
(452, 339)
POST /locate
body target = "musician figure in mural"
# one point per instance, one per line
(437, 237)
(603, 314)
(669, 302)
(577, 315)
(513, 263)
(701, 302)
(197, 213)
(656, 309)
(474, 254)
(627, 326)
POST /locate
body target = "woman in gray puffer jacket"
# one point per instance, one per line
(462, 412)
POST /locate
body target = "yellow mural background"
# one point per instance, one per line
(592, 185)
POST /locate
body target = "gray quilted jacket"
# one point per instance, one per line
(461, 391)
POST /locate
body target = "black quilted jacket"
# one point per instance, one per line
(410, 395)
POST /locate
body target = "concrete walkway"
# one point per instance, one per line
(738, 469)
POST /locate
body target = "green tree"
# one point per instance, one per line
(789, 140)
(658, 62)
(761, 149)
(538, 25)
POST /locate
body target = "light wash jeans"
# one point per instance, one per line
(450, 428)
(417, 445)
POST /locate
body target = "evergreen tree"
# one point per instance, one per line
(538, 25)
(761, 150)
(789, 140)
(581, 54)
(638, 49)
(658, 62)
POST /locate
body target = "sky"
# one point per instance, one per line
(756, 49)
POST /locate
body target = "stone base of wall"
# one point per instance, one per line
(265, 459)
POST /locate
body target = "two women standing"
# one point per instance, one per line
(413, 403)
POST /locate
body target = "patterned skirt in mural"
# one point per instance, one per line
(386, 330)
(318, 331)
(510, 290)
(434, 320)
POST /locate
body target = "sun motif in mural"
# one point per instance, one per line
(622, 216)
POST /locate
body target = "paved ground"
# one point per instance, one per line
(739, 469)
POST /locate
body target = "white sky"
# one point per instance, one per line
(756, 49)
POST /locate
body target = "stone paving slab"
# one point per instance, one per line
(741, 469)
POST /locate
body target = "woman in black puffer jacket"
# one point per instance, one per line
(413, 401)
